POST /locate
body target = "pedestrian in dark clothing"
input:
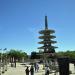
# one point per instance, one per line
(32, 70)
(47, 71)
(27, 70)
(74, 65)
(35, 66)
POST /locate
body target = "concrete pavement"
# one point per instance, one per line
(20, 70)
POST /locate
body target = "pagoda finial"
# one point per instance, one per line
(46, 24)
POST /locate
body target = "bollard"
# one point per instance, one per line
(63, 64)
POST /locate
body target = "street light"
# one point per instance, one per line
(0, 61)
(3, 60)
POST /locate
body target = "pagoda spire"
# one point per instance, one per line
(47, 39)
(46, 24)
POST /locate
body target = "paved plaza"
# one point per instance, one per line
(20, 70)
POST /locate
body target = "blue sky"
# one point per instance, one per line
(21, 20)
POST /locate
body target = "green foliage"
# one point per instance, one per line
(70, 54)
(17, 54)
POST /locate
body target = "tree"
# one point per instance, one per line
(70, 54)
(17, 55)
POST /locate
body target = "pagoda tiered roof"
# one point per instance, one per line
(47, 31)
(47, 36)
(49, 42)
(49, 47)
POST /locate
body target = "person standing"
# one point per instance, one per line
(32, 70)
(74, 65)
(35, 66)
(27, 71)
(47, 71)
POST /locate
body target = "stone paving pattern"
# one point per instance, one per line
(20, 70)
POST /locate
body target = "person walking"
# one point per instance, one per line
(47, 71)
(74, 65)
(37, 67)
(27, 71)
(32, 70)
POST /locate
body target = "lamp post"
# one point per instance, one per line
(3, 60)
(0, 60)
